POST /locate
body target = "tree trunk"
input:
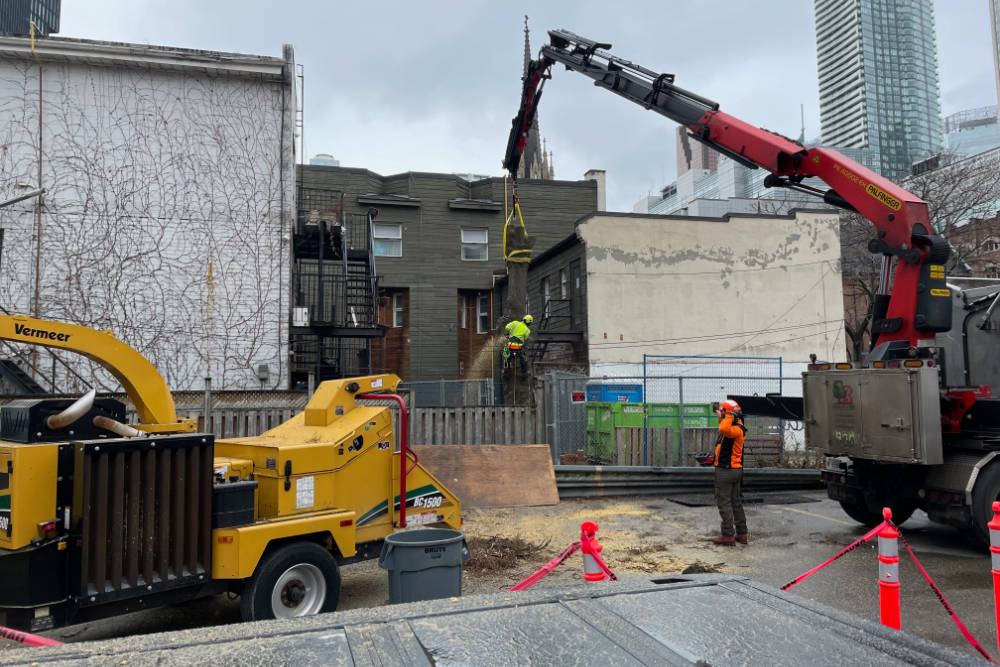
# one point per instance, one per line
(516, 384)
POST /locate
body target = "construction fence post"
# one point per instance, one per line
(680, 421)
(888, 572)
(207, 406)
(551, 416)
(994, 527)
(538, 410)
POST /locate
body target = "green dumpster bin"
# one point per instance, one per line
(600, 431)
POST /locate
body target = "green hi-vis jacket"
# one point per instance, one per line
(517, 329)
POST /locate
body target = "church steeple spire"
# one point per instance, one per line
(533, 162)
(527, 47)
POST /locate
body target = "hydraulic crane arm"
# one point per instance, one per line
(142, 382)
(901, 219)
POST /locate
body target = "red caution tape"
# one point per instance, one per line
(937, 591)
(556, 562)
(940, 596)
(27, 637)
(851, 547)
(546, 569)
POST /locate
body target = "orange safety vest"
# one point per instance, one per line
(729, 450)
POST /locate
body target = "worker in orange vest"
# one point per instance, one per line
(728, 461)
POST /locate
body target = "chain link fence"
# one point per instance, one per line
(673, 379)
(564, 412)
(658, 412)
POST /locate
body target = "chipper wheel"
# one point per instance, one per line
(299, 579)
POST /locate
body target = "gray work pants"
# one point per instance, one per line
(728, 496)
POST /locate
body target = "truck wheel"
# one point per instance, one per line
(901, 511)
(986, 490)
(299, 579)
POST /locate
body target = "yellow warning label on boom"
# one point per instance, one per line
(940, 292)
(883, 196)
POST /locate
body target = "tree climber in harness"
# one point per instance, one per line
(517, 333)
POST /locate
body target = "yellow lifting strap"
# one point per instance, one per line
(523, 255)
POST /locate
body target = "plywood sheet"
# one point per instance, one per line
(493, 475)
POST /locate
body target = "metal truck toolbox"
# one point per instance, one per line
(881, 414)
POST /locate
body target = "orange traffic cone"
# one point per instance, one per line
(592, 571)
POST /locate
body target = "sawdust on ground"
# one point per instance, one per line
(525, 538)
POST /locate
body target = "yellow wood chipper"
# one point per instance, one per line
(98, 517)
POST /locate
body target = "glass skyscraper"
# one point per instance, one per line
(878, 79)
(995, 30)
(16, 17)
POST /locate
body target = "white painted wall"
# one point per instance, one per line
(170, 197)
(746, 286)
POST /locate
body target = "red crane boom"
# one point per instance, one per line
(918, 304)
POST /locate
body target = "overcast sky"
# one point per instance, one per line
(395, 86)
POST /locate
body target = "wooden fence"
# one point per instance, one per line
(234, 422)
(429, 426)
(473, 426)
(662, 445)
(762, 446)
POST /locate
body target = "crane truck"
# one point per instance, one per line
(99, 517)
(913, 424)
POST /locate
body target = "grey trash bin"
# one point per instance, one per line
(424, 564)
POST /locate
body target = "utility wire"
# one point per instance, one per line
(722, 336)
(714, 271)
(808, 292)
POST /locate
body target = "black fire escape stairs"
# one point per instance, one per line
(554, 326)
(340, 296)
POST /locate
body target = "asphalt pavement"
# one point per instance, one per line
(788, 540)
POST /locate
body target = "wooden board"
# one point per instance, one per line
(493, 475)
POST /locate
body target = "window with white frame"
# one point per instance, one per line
(397, 310)
(475, 245)
(563, 284)
(483, 314)
(465, 312)
(388, 240)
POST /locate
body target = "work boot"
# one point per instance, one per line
(742, 538)
(724, 540)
